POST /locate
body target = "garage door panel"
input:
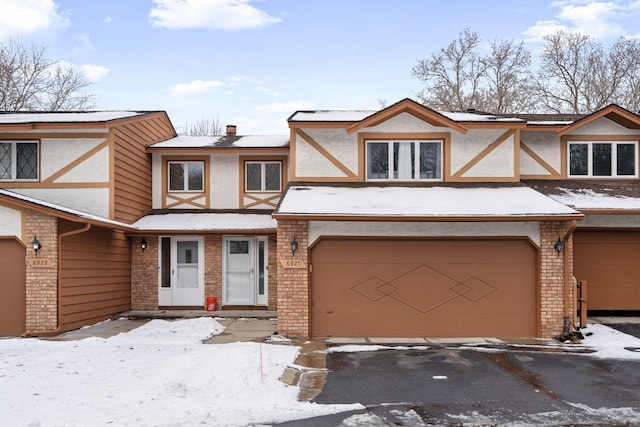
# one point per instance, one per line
(610, 263)
(12, 288)
(411, 288)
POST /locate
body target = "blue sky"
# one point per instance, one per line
(253, 63)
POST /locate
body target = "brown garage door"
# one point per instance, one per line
(610, 263)
(423, 288)
(12, 288)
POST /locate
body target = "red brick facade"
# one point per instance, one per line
(144, 274)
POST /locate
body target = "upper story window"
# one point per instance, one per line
(186, 176)
(18, 160)
(263, 176)
(404, 160)
(603, 159)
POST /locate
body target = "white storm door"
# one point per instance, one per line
(187, 257)
(239, 271)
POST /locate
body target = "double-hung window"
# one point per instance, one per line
(263, 176)
(404, 160)
(18, 161)
(615, 159)
(186, 176)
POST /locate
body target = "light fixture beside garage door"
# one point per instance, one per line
(36, 245)
(558, 245)
(294, 246)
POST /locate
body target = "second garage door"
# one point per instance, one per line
(610, 263)
(423, 288)
(13, 294)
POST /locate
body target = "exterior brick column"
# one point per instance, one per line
(293, 283)
(144, 274)
(42, 283)
(552, 278)
(213, 267)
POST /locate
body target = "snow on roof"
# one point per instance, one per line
(66, 117)
(205, 221)
(63, 209)
(359, 115)
(481, 202)
(236, 141)
(587, 198)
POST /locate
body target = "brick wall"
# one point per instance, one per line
(293, 283)
(552, 278)
(213, 267)
(144, 274)
(273, 272)
(42, 283)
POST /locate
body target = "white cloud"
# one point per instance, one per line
(107, 20)
(230, 15)
(196, 87)
(24, 17)
(599, 19)
(267, 91)
(94, 73)
(285, 107)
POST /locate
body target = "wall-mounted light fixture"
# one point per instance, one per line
(36, 244)
(558, 245)
(143, 244)
(294, 246)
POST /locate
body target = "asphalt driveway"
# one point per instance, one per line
(455, 385)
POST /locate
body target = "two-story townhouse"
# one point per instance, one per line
(408, 222)
(70, 185)
(210, 233)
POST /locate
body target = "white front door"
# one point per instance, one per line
(245, 271)
(182, 271)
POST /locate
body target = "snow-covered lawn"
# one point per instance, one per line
(159, 374)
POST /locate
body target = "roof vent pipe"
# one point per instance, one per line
(231, 130)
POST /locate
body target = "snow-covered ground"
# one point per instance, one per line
(161, 374)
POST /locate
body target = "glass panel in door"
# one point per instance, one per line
(240, 285)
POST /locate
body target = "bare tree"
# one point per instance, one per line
(29, 81)
(203, 127)
(452, 75)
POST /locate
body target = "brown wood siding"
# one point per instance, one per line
(13, 288)
(132, 165)
(95, 274)
(423, 288)
(610, 263)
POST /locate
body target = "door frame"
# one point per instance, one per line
(259, 252)
(166, 294)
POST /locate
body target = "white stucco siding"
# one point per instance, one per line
(224, 181)
(603, 126)
(405, 123)
(56, 154)
(547, 146)
(90, 200)
(465, 147)
(10, 222)
(610, 221)
(530, 229)
(498, 163)
(337, 142)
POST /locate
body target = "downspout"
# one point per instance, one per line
(56, 331)
(568, 315)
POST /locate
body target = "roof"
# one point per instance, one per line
(593, 195)
(206, 221)
(67, 117)
(227, 141)
(440, 202)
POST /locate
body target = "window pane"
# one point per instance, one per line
(626, 159)
(176, 176)
(378, 160)
(403, 160)
(430, 156)
(27, 161)
(5, 160)
(253, 172)
(195, 170)
(187, 252)
(165, 244)
(601, 159)
(238, 247)
(578, 158)
(272, 176)
(262, 271)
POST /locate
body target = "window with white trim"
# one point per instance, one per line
(186, 176)
(404, 160)
(18, 161)
(263, 176)
(614, 159)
